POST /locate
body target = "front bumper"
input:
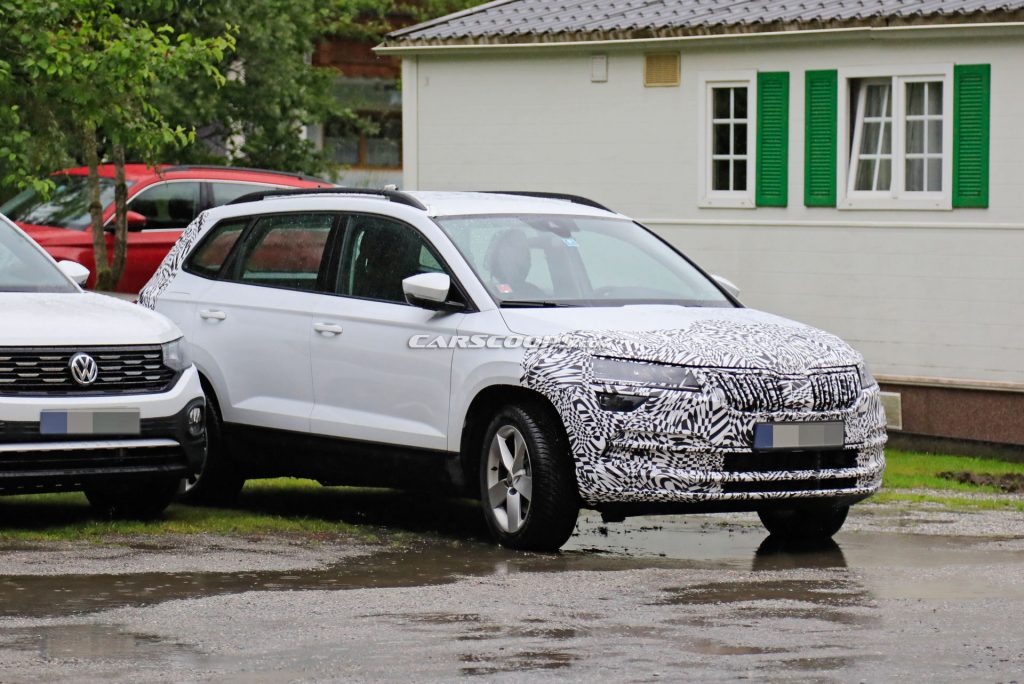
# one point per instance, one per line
(34, 462)
(694, 450)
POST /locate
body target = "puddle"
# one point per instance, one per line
(75, 642)
(675, 542)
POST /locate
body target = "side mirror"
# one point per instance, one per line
(74, 270)
(428, 291)
(729, 286)
(135, 220)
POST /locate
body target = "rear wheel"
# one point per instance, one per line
(804, 524)
(217, 483)
(527, 485)
(137, 499)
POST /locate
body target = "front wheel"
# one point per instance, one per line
(217, 483)
(132, 499)
(527, 484)
(804, 524)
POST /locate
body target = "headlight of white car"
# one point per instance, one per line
(866, 378)
(617, 371)
(176, 355)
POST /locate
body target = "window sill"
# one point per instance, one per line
(726, 202)
(895, 204)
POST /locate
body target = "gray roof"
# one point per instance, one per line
(533, 20)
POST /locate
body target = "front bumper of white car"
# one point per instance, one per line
(168, 442)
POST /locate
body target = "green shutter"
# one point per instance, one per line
(820, 138)
(772, 139)
(971, 98)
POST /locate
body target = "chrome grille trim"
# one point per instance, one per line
(44, 371)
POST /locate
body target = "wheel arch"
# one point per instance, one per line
(484, 405)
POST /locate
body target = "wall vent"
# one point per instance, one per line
(661, 69)
(892, 402)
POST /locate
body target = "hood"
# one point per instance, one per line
(78, 319)
(690, 336)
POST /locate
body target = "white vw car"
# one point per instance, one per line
(96, 395)
(540, 352)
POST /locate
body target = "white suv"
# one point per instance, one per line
(96, 394)
(538, 351)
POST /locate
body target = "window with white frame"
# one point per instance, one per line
(728, 159)
(897, 146)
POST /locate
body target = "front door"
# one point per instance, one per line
(369, 385)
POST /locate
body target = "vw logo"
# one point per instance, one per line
(84, 370)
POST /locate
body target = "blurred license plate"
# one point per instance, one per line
(119, 422)
(799, 435)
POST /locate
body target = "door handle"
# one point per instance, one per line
(212, 315)
(328, 329)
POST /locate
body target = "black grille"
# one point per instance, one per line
(56, 470)
(29, 432)
(46, 371)
(760, 391)
(781, 461)
(814, 485)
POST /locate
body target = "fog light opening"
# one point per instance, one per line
(196, 420)
(620, 402)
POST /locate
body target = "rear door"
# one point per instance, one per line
(169, 207)
(253, 324)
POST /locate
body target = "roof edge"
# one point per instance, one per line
(448, 17)
(1014, 18)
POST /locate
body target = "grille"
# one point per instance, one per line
(55, 471)
(780, 461)
(756, 391)
(12, 432)
(789, 485)
(46, 371)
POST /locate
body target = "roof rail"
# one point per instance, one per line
(218, 167)
(575, 199)
(392, 195)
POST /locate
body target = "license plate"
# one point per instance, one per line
(799, 435)
(113, 422)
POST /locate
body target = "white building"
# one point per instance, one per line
(855, 165)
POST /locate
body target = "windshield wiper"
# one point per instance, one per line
(530, 304)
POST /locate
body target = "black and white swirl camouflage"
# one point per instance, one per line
(673, 448)
(171, 264)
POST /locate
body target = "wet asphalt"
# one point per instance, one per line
(901, 594)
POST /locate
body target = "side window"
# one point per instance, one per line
(227, 192)
(379, 255)
(167, 205)
(285, 251)
(208, 259)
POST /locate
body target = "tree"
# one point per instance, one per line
(272, 89)
(89, 77)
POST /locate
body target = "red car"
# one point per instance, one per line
(162, 201)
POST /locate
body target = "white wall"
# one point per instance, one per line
(935, 294)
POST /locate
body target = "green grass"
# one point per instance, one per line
(909, 470)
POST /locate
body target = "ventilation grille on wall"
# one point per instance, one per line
(661, 69)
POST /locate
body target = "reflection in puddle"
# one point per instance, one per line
(74, 642)
(488, 664)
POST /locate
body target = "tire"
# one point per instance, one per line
(545, 519)
(218, 482)
(804, 524)
(132, 498)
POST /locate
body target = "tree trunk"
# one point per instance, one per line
(120, 217)
(90, 148)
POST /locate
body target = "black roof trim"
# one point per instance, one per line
(575, 199)
(218, 167)
(392, 195)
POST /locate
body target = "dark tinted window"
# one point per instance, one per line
(167, 205)
(224, 192)
(286, 251)
(380, 254)
(209, 257)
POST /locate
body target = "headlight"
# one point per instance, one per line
(176, 356)
(617, 371)
(866, 378)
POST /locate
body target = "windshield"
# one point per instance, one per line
(67, 207)
(539, 260)
(23, 268)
